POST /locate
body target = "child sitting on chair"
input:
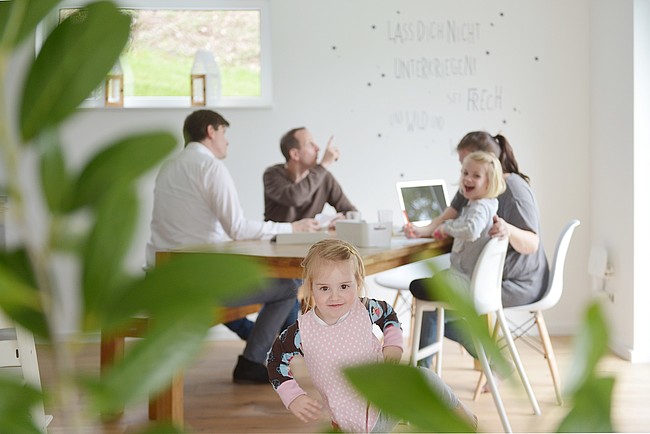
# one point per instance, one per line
(334, 332)
(481, 181)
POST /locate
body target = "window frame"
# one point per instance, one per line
(263, 6)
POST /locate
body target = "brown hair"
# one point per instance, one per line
(289, 142)
(329, 250)
(196, 125)
(498, 145)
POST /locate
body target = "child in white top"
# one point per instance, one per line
(481, 181)
(335, 332)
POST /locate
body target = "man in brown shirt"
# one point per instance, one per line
(301, 187)
(298, 189)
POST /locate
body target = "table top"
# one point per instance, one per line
(284, 260)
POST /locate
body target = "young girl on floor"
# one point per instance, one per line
(334, 332)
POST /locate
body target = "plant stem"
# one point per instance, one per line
(39, 253)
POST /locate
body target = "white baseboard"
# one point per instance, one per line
(630, 354)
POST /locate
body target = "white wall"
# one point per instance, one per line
(641, 183)
(619, 160)
(538, 67)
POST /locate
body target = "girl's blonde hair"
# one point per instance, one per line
(496, 183)
(329, 250)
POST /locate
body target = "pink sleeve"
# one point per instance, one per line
(288, 391)
(393, 337)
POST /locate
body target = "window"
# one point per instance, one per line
(166, 36)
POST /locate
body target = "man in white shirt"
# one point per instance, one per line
(196, 202)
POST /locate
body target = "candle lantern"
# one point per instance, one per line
(114, 87)
(205, 80)
(197, 89)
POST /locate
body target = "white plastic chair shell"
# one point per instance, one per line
(485, 288)
(550, 299)
(18, 352)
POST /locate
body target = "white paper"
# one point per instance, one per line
(325, 220)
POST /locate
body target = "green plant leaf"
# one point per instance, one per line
(410, 397)
(108, 242)
(19, 298)
(121, 162)
(592, 407)
(18, 261)
(188, 279)
(74, 59)
(16, 400)
(23, 22)
(590, 346)
(55, 179)
(171, 343)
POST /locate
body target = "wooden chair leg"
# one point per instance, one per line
(479, 386)
(168, 405)
(550, 355)
(397, 298)
(111, 350)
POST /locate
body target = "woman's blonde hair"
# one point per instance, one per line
(329, 250)
(496, 183)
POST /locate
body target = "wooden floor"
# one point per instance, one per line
(213, 404)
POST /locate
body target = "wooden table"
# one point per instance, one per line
(281, 261)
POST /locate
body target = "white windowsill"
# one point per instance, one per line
(178, 102)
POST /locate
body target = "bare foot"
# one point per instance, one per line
(486, 386)
(498, 378)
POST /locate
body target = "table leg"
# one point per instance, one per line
(168, 405)
(111, 350)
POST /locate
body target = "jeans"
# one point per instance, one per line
(387, 423)
(279, 300)
(242, 327)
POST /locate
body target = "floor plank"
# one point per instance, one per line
(213, 404)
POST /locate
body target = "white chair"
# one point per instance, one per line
(18, 352)
(485, 290)
(550, 299)
(400, 278)
(17, 348)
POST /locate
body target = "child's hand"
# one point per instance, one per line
(409, 231)
(392, 354)
(412, 231)
(305, 408)
(499, 228)
(439, 233)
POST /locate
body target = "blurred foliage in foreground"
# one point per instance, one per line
(181, 295)
(410, 399)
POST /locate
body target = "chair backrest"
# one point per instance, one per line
(485, 286)
(556, 277)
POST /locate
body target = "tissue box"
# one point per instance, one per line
(363, 234)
